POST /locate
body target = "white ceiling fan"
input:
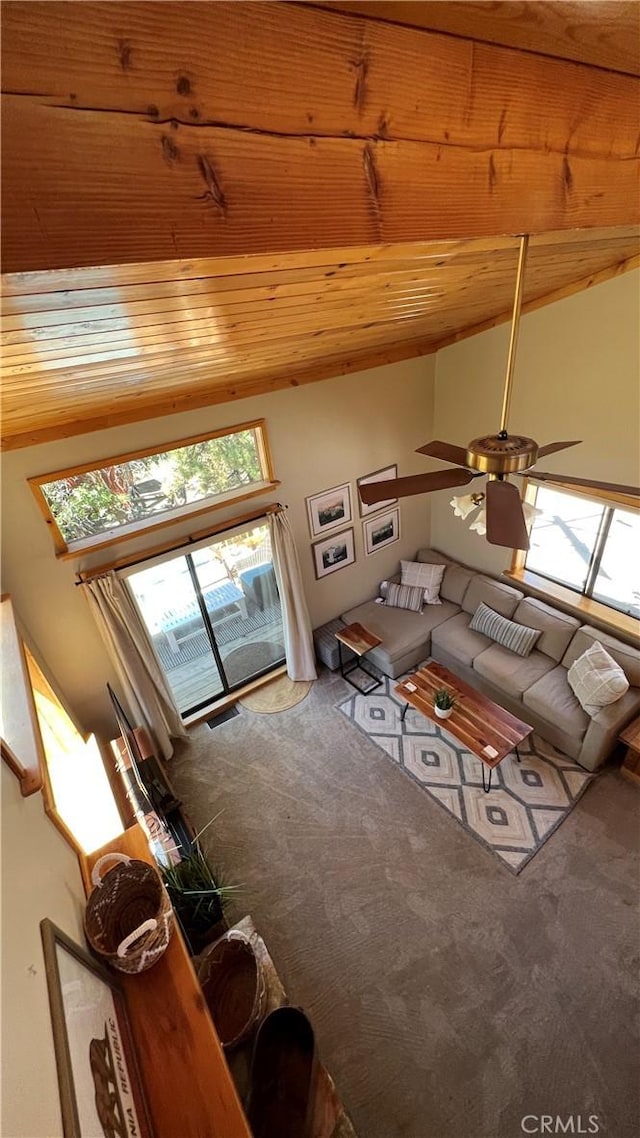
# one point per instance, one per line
(494, 456)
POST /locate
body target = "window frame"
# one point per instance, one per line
(581, 601)
(131, 530)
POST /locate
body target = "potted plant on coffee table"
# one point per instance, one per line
(443, 703)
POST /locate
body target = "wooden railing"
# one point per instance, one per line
(20, 749)
(30, 781)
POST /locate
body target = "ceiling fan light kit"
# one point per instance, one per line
(465, 504)
(504, 517)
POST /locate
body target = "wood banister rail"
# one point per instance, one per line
(20, 731)
(30, 780)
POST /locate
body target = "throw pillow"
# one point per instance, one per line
(517, 638)
(405, 596)
(596, 679)
(429, 577)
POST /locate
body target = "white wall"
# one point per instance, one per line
(40, 878)
(577, 376)
(321, 435)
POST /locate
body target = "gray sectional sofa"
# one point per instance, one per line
(535, 687)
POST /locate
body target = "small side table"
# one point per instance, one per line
(631, 736)
(360, 641)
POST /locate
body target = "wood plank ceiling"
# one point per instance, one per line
(207, 201)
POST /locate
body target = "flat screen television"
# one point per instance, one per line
(153, 802)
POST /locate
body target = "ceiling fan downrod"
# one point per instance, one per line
(513, 338)
(502, 454)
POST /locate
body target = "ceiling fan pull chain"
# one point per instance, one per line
(513, 339)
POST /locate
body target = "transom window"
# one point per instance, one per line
(95, 505)
(588, 544)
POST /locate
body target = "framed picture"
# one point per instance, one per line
(100, 1087)
(333, 553)
(377, 476)
(329, 510)
(381, 531)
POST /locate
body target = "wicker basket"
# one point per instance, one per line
(233, 983)
(129, 918)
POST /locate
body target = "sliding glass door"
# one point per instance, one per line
(213, 614)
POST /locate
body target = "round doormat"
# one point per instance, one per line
(250, 659)
(278, 695)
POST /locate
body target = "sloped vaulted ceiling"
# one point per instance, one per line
(206, 200)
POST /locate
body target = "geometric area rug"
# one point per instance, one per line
(527, 801)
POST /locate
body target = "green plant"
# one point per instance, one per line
(197, 892)
(443, 699)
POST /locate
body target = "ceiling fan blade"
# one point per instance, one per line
(551, 448)
(615, 487)
(446, 451)
(505, 518)
(372, 492)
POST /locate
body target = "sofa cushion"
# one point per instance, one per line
(427, 575)
(503, 598)
(400, 631)
(552, 699)
(512, 674)
(433, 556)
(627, 657)
(456, 638)
(456, 578)
(516, 637)
(409, 597)
(557, 627)
(596, 679)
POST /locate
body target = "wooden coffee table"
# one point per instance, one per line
(360, 641)
(482, 726)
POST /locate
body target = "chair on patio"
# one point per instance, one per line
(223, 601)
(259, 585)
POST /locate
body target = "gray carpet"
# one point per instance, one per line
(449, 998)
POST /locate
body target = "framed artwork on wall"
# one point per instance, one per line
(381, 531)
(100, 1088)
(329, 510)
(377, 476)
(333, 553)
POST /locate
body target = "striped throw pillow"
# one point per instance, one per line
(596, 679)
(405, 597)
(428, 576)
(516, 637)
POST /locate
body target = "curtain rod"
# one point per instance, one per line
(184, 543)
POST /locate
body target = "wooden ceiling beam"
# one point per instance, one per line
(151, 131)
(606, 34)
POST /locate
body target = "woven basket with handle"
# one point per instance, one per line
(129, 918)
(234, 986)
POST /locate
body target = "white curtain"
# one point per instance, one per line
(298, 639)
(131, 650)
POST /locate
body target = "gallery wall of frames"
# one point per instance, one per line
(332, 520)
